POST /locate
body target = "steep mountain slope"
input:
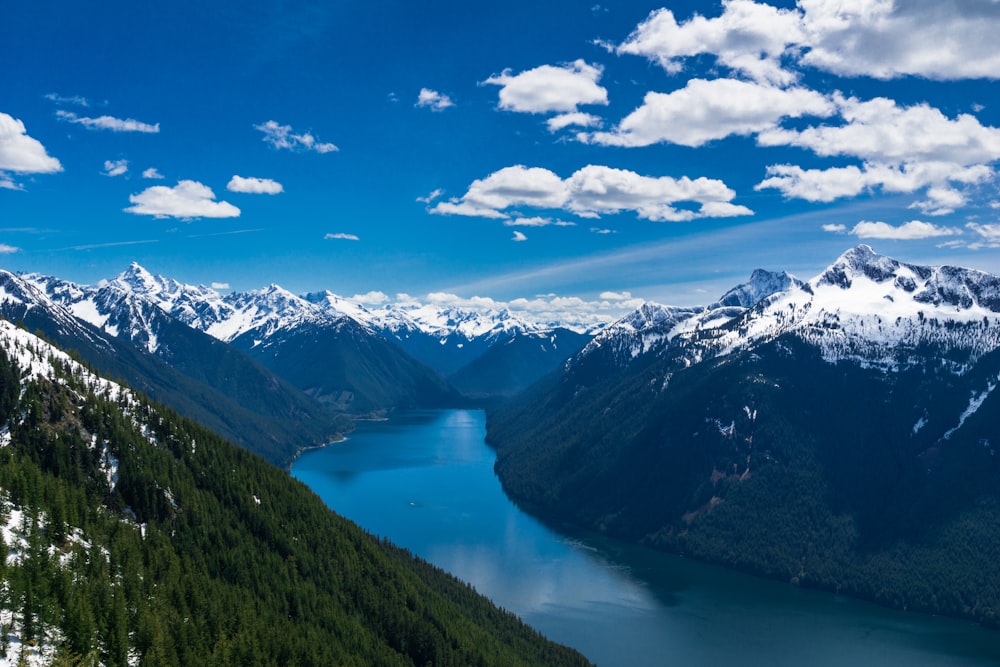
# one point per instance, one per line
(269, 325)
(195, 374)
(837, 433)
(133, 536)
(511, 365)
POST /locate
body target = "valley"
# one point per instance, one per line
(833, 433)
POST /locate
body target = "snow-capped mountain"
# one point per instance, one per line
(840, 432)
(865, 307)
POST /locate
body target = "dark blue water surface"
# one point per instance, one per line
(425, 480)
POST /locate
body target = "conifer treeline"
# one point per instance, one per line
(142, 536)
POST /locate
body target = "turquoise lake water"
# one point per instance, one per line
(425, 480)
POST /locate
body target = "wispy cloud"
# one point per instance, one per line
(112, 244)
(8, 249)
(538, 221)
(254, 185)
(220, 285)
(283, 137)
(431, 197)
(115, 167)
(186, 200)
(342, 236)
(433, 100)
(108, 123)
(519, 237)
(68, 99)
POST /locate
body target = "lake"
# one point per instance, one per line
(425, 481)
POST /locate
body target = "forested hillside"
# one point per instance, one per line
(135, 536)
(775, 461)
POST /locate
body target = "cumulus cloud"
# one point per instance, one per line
(835, 228)
(21, 153)
(152, 174)
(433, 100)
(109, 123)
(341, 236)
(115, 167)
(282, 137)
(706, 110)
(748, 37)
(609, 306)
(549, 88)
(880, 129)
(946, 39)
(594, 191)
(186, 200)
(519, 236)
(912, 230)
(373, 298)
(254, 185)
(575, 118)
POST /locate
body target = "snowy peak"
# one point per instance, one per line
(761, 285)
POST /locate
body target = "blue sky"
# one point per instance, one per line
(501, 150)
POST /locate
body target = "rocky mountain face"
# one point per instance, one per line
(838, 432)
(119, 334)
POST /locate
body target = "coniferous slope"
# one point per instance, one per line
(820, 435)
(197, 375)
(134, 536)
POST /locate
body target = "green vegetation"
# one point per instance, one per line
(144, 537)
(778, 463)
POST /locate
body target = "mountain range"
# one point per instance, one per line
(837, 432)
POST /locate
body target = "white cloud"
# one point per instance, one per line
(431, 197)
(8, 249)
(575, 118)
(748, 37)
(374, 298)
(254, 185)
(68, 99)
(835, 228)
(609, 306)
(152, 173)
(20, 153)
(603, 231)
(616, 296)
(341, 236)
(109, 123)
(881, 130)
(188, 199)
(433, 100)
(519, 236)
(115, 167)
(593, 191)
(914, 229)
(283, 137)
(989, 233)
(548, 88)
(220, 285)
(826, 185)
(705, 110)
(937, 39)
(538, 221)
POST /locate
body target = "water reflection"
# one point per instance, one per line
(425, 480)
